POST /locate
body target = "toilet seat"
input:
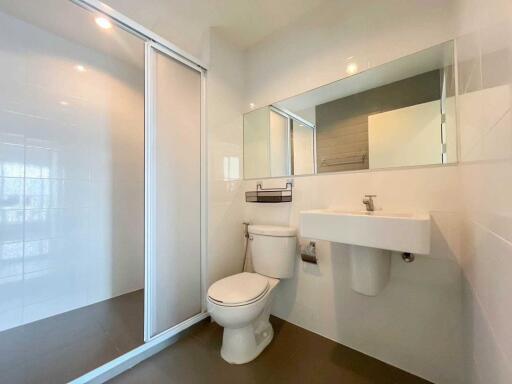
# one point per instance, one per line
(238, 290)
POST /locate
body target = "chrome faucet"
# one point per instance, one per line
(368, 201)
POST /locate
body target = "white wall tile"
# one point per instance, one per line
(11, 318)
(225, 94)
(11, 259)
(12, 160)
(415, 322)
(11, 225)
(11, 192)
(485, 128)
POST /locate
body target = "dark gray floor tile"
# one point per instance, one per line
(63, 347)
(294, 356)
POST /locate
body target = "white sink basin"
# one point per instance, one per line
(401, 232)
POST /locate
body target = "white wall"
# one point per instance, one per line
(225, 146)
(485, 127)
(416, 323)
(317, 49)
(71, 224)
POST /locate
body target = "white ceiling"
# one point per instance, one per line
(185, 23)
(243, 22)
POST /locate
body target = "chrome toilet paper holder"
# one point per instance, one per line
(308, 253)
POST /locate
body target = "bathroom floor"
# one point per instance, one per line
(294, 356)
(63, 347)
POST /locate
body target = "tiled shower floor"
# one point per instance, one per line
(294, 356)
(63, 347)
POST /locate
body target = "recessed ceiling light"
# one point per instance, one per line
(80, 68)
(351, 68)
(64, 103)
(103, 22)
(251, 105)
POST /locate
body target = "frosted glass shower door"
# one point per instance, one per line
(174, 191)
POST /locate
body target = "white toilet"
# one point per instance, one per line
(241, 303)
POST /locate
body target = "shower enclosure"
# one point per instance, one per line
(102, 189)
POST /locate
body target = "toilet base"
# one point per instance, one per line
(242, 345)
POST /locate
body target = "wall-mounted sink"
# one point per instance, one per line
(403, 232)
(371, 236)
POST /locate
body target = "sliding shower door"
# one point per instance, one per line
(174, 190)
(101, 188)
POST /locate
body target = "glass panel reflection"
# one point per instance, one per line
(71, 191)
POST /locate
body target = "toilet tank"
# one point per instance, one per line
(273, 250)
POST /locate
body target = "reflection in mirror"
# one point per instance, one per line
(398, 114)
(276, 143)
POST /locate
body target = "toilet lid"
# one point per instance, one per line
(238, 289)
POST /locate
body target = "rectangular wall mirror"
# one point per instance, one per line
(398, 114)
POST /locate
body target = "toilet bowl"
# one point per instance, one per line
(241, 303)
(247, 330)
